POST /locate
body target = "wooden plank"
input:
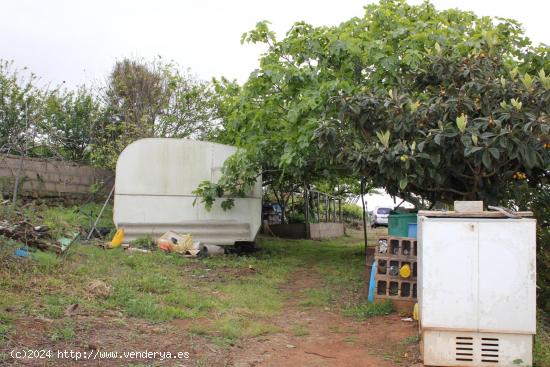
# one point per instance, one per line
(485, 214)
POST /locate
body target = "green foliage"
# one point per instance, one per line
(146, 242)
(460, 142)
(536, 197)
(140, 100)
(407, 96)
(541, 348)
(151, 99)
(20, 109)
(367, 310)
(352, 211)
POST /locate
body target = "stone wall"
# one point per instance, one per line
(45, 178)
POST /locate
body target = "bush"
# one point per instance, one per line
(351, 211)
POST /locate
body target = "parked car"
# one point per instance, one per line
(380, 217)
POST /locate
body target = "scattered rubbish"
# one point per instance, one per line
(182, 244)
(117, 239)
(34, 236)
(212, 250)
(383, 246)
(407, 319)
(100, 288)
(290, 346)
(65, 242)
(135, 249)
(22, 252)
(405, 271)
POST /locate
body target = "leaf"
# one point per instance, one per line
(470, 150)
(516, 103)
(494, 152)
(461, 122)
(474, 139)
(435, 159)
(384, 138)
(486, 159)
(527, 81)
(403, 183)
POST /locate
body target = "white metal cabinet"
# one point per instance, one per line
(476, 285)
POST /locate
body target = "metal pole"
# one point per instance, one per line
(364, 214)
(100, 214)
(340, 209)
(306, 210)
(318, 208)
(327, 218)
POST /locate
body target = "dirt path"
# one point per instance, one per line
(323, 337)
(308, 336)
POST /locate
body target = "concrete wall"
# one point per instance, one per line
(289, 230)
(318, 231)
(44, 178)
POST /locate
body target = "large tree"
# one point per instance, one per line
(328, 102)
(151, 99)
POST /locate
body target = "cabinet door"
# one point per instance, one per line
(507, 275)
(448, 273)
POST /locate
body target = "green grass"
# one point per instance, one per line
(541, 349)
(6, 326)
(158, 287)
(366, 310)
(63, 331)
(397, 354)
(316, 298)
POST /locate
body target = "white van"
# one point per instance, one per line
(380, 217)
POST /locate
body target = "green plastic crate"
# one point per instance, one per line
(398, 224)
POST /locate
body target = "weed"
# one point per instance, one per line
(541, 349)
(46, 261)
(366, 310)
(316, 298)
(300, 330)
(144, 242)
(63, 331)
(6, 326)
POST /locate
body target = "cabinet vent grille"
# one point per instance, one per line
(467, 349)
(464, 350)
(489, 350)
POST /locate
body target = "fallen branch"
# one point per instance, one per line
(318, 354)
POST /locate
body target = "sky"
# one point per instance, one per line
(77, 42)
